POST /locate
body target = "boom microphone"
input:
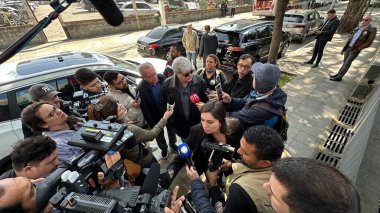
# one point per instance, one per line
(108, 9)
(184, 152)
(151, 181)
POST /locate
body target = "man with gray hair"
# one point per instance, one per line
(264, 102)
(149, 90)
(177, 90)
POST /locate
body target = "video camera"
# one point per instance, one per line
(218, 152)
(82, 99)
(79, 190)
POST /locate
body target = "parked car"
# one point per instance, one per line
(246, 36)
(142, 8)
(301, 23)
(158, 41)
(57, 70)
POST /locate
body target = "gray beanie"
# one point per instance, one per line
(266, 76)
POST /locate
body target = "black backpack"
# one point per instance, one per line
(282, 124)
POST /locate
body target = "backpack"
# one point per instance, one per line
(280, 122)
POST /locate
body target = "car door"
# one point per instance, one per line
(171, 36)
(311, 22)
(250, 42)
(143, 8)
(263, 41)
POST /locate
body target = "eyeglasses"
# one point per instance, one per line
(244, 66)
(366, 19)
(52, 112)
(187, 73)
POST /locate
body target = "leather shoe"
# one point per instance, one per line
(314, 66)
(308, 62)
(334, 76)
(335, 79)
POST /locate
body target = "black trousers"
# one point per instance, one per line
(318, 50)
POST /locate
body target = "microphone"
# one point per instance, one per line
(194, 98)
(110, 12)
(171, 103)
(149, 188)
(151, 181)
(46, 189)
(184, 152)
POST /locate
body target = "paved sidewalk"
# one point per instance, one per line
(313, 100)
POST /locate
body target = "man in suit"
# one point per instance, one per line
(324, 34)
(361, 38)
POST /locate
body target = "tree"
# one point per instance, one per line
(280, 9)
(352, 15)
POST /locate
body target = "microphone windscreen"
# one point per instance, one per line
(194, 98)
(171, 99)
(184, 150)
(110, 12)
(151, 181)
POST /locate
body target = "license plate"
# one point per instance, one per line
(141, 47)
(218, 50)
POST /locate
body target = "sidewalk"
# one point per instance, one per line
(313, 100)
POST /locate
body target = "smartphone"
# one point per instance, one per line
(219, 91)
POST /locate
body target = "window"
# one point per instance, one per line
(129, 6)
(262, 32)
(293, 18)
(142, 6)
(250, 36)
(4, 107)
(23, 99)
(310, 16)
(172, 33)
(67, 87)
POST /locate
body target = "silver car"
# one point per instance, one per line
(142, 8)
(301, 23)
(58, 71)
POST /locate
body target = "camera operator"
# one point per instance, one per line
(260, 146)
(213, 127)
(18, 195)
(33, 158)
(43, 93)
(107, 106)
(308, 185)
(125, 94)
(56, 124)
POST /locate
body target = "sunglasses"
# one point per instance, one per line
(52, 112)
(188, 73)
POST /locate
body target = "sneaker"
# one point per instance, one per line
(308, 62)
(164, 153)
(174, 148)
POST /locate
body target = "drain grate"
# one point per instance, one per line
(355, 102)
(349, 115)
(337, 139)
(332, 160)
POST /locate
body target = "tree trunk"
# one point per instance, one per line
(352, 15)
(280, 9)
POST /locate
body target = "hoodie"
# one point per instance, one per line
(209, 44)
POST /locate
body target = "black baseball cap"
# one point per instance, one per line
(43, 92)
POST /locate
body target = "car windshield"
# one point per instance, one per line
(228, 38)
(157, 33)
(293, 18)
(123, 64)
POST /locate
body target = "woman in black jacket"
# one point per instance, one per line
(215, 129)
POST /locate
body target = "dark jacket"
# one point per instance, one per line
(178, 120)
(328, 29)
(241, 108)
(239, 88)
(209, 44)
(200, 197)
(237, 201)
(365, 39)
(151, 110)
(199, 155)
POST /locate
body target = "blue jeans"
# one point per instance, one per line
(192, 57)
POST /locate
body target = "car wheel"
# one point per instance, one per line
(92, 9)
(302, 39)
(283, 50)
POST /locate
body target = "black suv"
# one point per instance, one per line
(246, 36)
(158, 41)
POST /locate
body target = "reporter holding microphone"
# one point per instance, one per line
(214, 128)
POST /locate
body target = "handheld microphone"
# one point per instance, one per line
(110, 12)
(194, 98)
(171, 103)
(184, 152)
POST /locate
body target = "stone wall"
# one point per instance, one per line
(8, 35)
(98, 27)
